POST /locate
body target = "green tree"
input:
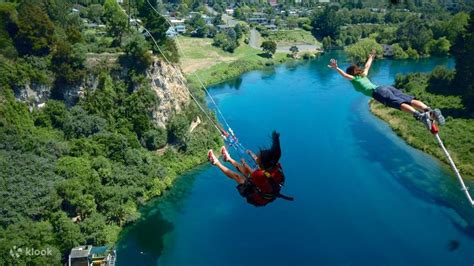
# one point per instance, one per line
(78, 123)
(294, 51)
(269, 47)
(68, 63)
(137, 56)
(439, 47)
(115, 19)
(464, 57)
(398, 52)
(440, 80)
(94, 229)
(35, 34)
(412, 53)
(456, 25)
(68, 233)
(8, 28)
(157, 26)
(414, 33)
(154, 139)
(327, 23)
(327, 42)
(178, 129)
(95, 13)
(359, 52)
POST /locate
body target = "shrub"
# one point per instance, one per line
(154, 139)
(440, 80)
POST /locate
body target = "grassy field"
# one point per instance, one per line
(290, 37)
(213, 65)
(457, 134)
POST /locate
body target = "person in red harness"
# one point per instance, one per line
(260, 186)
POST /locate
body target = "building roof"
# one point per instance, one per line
(80, 252)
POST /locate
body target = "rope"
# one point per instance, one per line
(195, 74)
(455, 169)
(231, 140)
(192, 96)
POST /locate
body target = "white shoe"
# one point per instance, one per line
(225, 154)
(211, 157)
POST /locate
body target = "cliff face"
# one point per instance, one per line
(165, 80)
(169, 85)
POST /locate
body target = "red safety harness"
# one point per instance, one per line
(266, 186)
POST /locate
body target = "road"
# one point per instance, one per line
(228, 20)
(254, 40)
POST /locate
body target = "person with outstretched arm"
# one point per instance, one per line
(388, 95)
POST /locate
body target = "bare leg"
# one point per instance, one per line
(233, 175)
(419, 105)
(407, 108)
(240, 167)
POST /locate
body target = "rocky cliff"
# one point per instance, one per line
(166, 80)
(169, 85)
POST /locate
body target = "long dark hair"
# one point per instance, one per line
(270, 157)
(354, 70)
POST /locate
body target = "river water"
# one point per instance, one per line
(362, 195)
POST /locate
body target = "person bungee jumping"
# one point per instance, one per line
(260, 186)
(388, 95)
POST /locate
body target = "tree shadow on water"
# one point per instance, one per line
(144, 241)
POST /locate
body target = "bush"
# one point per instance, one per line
(178, 129)
(440, 80)
(439, 47)
(78, 123)
(154, 139)
(359, 52)
(398, 52)
(136, 55)
(412, 53)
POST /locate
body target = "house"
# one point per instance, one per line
(229, 11)
(177, 21)
(171, 32)
(273, 2)
(90, 255)
(207, 19)
(180, 29)
(271, 27)
(258, 17)
(224, 27)
(135, 22)
(387, 50)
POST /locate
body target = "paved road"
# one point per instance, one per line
(254, 40)
(229, 21)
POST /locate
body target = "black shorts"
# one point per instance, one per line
(391, 96)
(246, 189)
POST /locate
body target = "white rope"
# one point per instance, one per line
(455, 169)
(195, 74)
(192, 96)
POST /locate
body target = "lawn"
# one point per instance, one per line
(213, 65)
(290, 37)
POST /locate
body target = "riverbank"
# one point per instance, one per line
(213, 65)
(457, 135)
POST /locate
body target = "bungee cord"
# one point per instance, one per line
(229, 136)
